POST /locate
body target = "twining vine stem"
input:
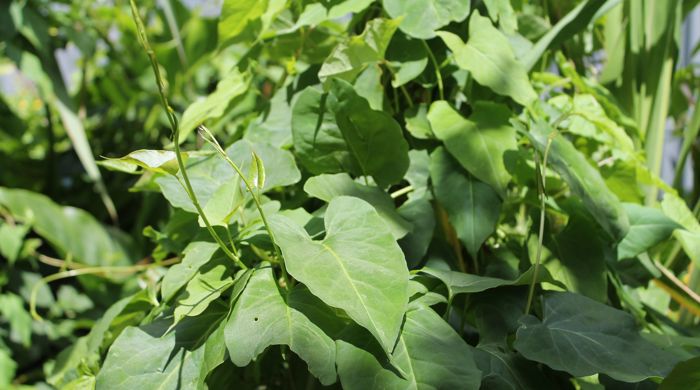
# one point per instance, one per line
(143, 38)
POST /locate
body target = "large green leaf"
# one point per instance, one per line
(369, 275)
(213, 106)
(262, 317)
(145, 357)
(70, 231)
(374, 138)
(421, 18)
(584, 337)
(351, 56)
(478, 143)
(648, 227)
(429, 352)
(329, 187)
(461, 283)
(585, 181)
(472, 206)
(489, 58)
(686, 375)
(318, 142)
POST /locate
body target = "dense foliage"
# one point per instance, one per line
(351, 193)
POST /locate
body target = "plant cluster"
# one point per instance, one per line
(351, 193)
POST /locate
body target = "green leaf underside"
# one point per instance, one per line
(262, 317)
(428, 351)
(584, 337)
(357, 267)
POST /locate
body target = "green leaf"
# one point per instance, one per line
(262, 316)
(318, 142)
(461, 283)
(7, 368)
(685, 375)
(473, 207)
(196, 254)
(12, 309)
(585, 181)
(506, 370)
(581, 271)
(489, 58)
(374, 138)
(236, 15)
(370, 279)
(407, 58)
(329, 187)
(417, 122)
(207, 285)
(11, 239)
(421, 18)
(584, 337)
(233, 85)
(160, 161)
(66, 228)
(572, 23)
(209, 174)
(478, 143)
(648, 227)
(145, 357)
(429, 352)
(502, 12)
(351, 56)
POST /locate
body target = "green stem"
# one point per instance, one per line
(438, 75)
(143, 38)
(212, 140)
(541, 192)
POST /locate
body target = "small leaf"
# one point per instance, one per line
(374, 138)
(421, 18)
(478, 143)
(236, 15)
(196, 254)
(234, 84)
(329, 187)
(207, 285)
(473, 207)
(350, 57)
(583, 337)
(160, 161)
(357, 267)
(648, 227)
(489, 58)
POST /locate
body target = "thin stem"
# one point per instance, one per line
(401, 191)
(83, 271)
(542, 194)
(143, 38)
(209, 137)
(438, 75)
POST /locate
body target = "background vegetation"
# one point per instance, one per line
(355, 193)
